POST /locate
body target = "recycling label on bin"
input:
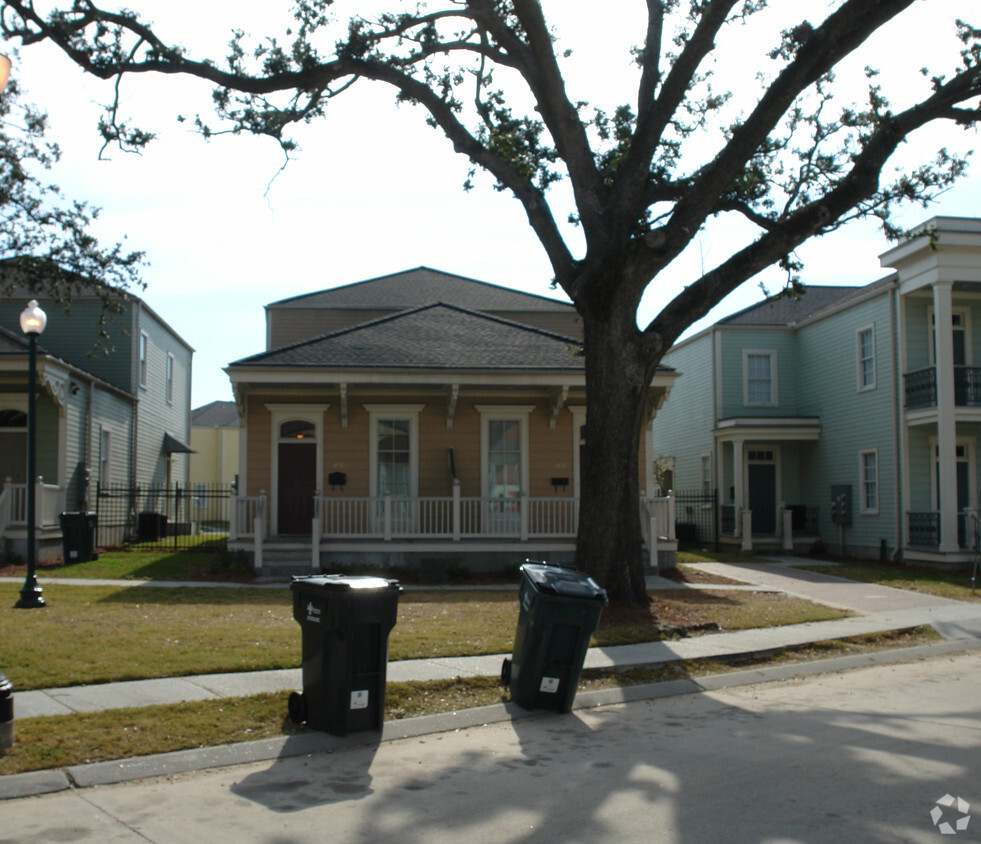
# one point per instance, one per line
(359, 699)
(549, 685)
(313, 613)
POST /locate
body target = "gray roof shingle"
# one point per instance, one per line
(438, 336)
(785, 310)
(217, 414)
(424, 286)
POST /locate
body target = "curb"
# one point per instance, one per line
(36, 783)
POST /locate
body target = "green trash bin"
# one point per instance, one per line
(345, 622)
(78, 537)
(559, 610)
(6, 712)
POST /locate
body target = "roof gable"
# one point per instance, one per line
(423, 286)
(217, 414)
(788, 309)
(437, 336)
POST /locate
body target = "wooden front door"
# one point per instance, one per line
(297, 482)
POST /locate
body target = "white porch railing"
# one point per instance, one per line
(49, 503)
(452, 517)
(248, 516)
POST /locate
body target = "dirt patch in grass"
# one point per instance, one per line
(687, 574)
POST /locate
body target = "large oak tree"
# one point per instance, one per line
(646, 176)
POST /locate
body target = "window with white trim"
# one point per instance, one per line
(760, 378)
(869, 475)
(866, 358)
(144, 355)
(706, 460)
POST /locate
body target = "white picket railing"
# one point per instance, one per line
(49, 504)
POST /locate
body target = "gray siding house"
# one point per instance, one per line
(843, 416)
(116, 414)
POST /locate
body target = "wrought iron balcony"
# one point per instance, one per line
(921, 387)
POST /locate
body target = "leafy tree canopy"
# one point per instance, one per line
(46, 245)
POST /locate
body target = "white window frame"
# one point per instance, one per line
(774, 396)
(860, 359)
(705, 467)
(864, 482)
(964, 313)
(499, 412)
(380, 412)
(169, 391)
(144, 360)
(967, 447)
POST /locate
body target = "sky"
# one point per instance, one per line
(373, 190)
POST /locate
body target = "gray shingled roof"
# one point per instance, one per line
(424, 286)
(784, 310)
(217, 414)
(438, 336)
(12, 344)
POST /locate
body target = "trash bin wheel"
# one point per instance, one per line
(297, 707)
(506, 672)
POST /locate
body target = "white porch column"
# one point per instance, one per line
(738, 481)
(747, 530)
(946, 422)
(788, 530)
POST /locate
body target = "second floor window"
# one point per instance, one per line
(760, 378)
(866, 359)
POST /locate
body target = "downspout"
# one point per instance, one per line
(135, 381)
(896, 444)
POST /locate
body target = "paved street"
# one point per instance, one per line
(855, 756)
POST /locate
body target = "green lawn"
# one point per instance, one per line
(98, 634)
(945, 585)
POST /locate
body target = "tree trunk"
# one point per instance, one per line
(617, 382)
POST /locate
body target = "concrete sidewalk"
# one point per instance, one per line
(877, 609)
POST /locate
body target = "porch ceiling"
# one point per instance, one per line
(782, 429)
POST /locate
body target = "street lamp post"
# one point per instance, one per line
(32, 322)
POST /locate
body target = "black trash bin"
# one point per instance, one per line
(6, 712)
(345, 622)
(559, 610)
(78, 537)
(151, 526)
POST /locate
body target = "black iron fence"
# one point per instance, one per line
(163, 517)
(696, 521)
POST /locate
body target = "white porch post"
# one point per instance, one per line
(738, 472)
(388, 518)
(524, 514)
(747, 530)
(456, 510)
(672, 515)
(788, 531)
(946, 421)
(315, 535)
(652, 533)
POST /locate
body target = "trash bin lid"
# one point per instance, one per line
(343, 582)
(568, 583)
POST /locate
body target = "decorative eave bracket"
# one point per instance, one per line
(559, 397)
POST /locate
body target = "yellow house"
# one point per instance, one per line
(214, 438)
(417, 416)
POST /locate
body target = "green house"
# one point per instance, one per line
(842, 416)
(109, 414)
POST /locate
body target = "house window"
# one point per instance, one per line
(394, 457)
(760, 378)
(960, 323)
(144, 352)
(504, 464)
(707, 473)
(170, 377)
(866, 359)
(16, 419)
(869, 473)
